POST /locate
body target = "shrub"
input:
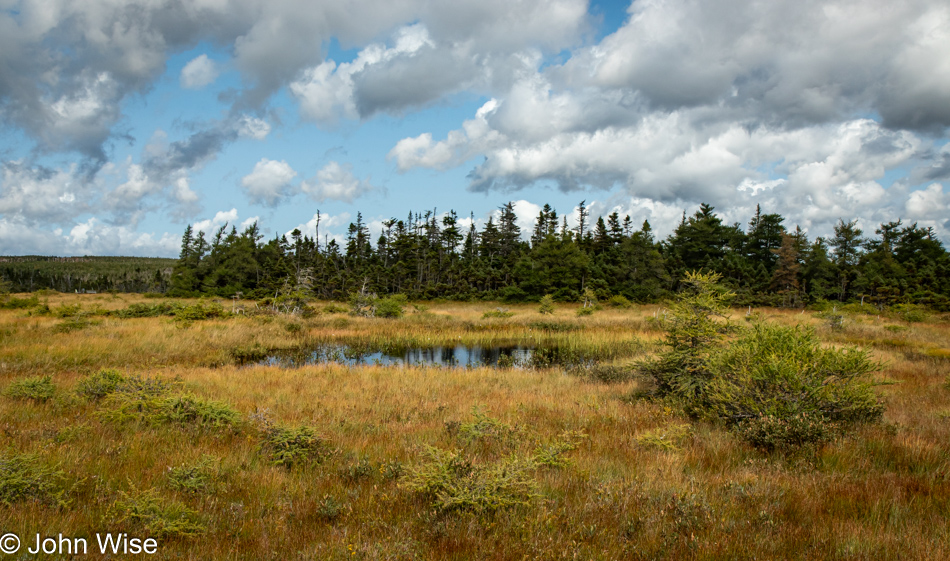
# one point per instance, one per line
(785, 372)
(391, 306)
(691, 330)
(910, 313)
(608, 373)
(619, 302)
(97, 386)
(778, 433)
(498, 313)
(193, 410)
(14, 303)
(776, 386)
(585, 312)
(547, 304)
(288, 447)
(23, 477)
(670, 437)
(200, 477)
(37, 388)
(199, 311)
(149, 512)
(452, 482)
(550, 455)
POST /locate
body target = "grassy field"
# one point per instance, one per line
(152, 426)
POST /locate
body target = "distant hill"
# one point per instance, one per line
(86, 274)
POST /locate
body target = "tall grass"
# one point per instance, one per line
(638, 478)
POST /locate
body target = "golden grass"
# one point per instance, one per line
(881, 493)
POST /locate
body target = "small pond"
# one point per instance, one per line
(457, 356)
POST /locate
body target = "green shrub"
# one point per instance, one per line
(288, 447)
(547, 304)
(196, 411)
(551, 454)
(607, 373)
(97, 386)
(910, 313)
(619, 302)
(200, 477)
(14, 303)
(692, 329)
(75, 323)
(779, 433)
(199, 311)
(141, 310)
(777, 384)
(669, 437)
(453, 482)
(148, 512)
(334, 309)
(498, 313)
(585, 312)
(329, 508)
(37, 388)
(391, 306)
(484, 428)
(24, 477)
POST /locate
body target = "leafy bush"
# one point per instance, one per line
(147, 511)
(777, 433)
(783, 373)
(140, 310)
(776, 386)
(669, 437)
(619, 302)
(288, 447)
(196, 411)
(585, 312)
(14, 303)
(547, 304)
(97, 386)
(391, 306)
(910, 313)
(146, 399)
(334, 309)
(607, 373)
(199, 311)
(691, 330)
(452, 482)
(37, 388)
(498, 313)
(24, 477)
(551, 454)
(200, 477)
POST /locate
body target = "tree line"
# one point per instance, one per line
(427, 256)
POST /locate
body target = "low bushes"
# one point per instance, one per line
(24, 477)
(775, 386)
(37, 388)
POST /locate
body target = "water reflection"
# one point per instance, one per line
(463, 356)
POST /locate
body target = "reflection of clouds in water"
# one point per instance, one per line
(517, 356)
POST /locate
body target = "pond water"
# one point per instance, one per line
(461, 356)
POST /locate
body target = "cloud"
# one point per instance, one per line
(198, 73)
(222, 217)
(91, 237)
(269, 182)
(336, 182)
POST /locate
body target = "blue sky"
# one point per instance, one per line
(124, 122)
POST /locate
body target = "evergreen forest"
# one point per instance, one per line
(427, 256)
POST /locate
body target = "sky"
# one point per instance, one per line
(123, 122)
